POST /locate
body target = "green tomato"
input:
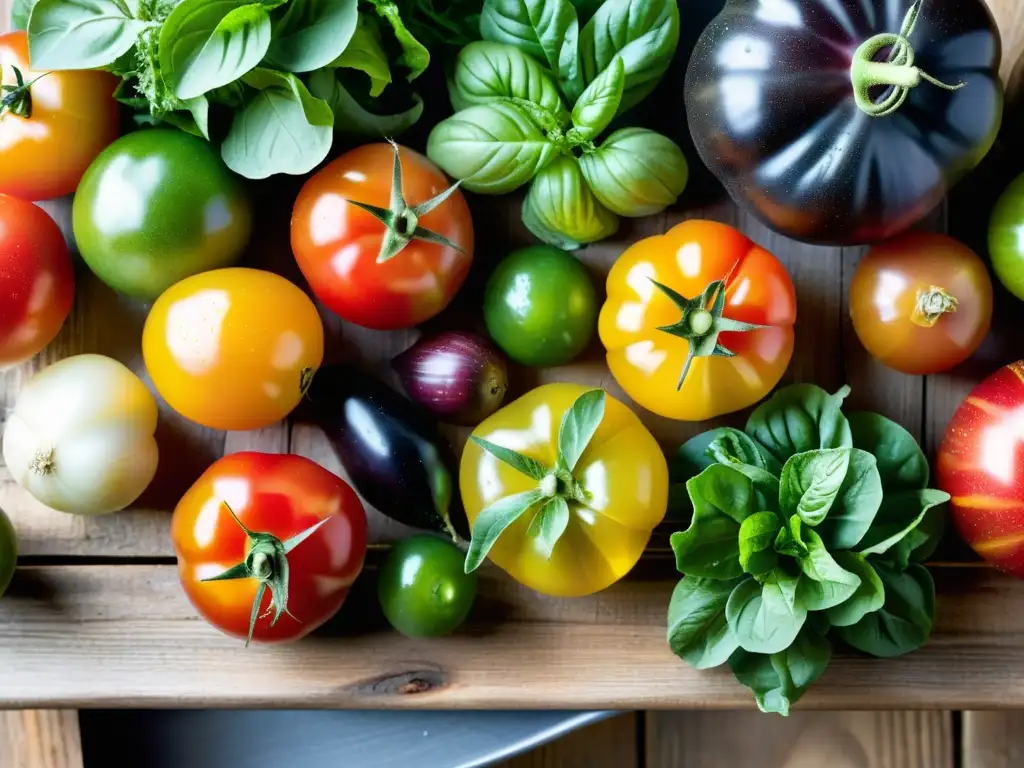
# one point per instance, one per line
(423, 589)
(1006, 238)
(540, 306)
(8, 551)
(155, 207)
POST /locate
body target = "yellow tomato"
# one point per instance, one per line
(622, 471)
(233, 348)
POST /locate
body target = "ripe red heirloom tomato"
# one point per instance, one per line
(376, 258)
(268, 545)
(37, 283)
(56, 125)
(921, 302)
(981, 465)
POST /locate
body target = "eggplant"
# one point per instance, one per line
(393, 453)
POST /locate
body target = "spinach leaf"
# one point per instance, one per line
(350, 117)
(901, 462)
(644, 33)
(697, 629)
(561, 210)
(283, 129)
(811, 481)
(790, 539)
(779, 680)
(724, 488)
(868, 597)
(312, 33)
(756, 543)
(636, 172)
(586, 8)
(415, 57)
(904, 622)
(493, 148)
(761, 617)
(81, 34)
(900, 514)
(921, 543)
(827, 584)
(20, 11)
(722, 445)
(598, 104)
(486, 72)
(854, 510)
(206, 44)
(365, 53)
(799, 418)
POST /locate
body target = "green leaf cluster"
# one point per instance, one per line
(534, 98)
(808, 526)
(285, 75)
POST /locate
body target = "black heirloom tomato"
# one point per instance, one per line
(847, 121)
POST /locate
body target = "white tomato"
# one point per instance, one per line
(80, 437)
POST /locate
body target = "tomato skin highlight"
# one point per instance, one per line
(888, 285)
(1006, 238)
(37, 281)
(74, 116)
(282, 495)
(981, 465)
(336, 243)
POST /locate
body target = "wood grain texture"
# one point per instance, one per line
(610, 743)
(993, 740)
(804, 740)
(40, 739)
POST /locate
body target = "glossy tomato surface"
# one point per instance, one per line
(282, 495)
(336, 243)
(981, 465)
(890, 295)
(37, 283)
(73, 117)
(233, 348)
(540, 306)
(1006, 238)
(157, 206)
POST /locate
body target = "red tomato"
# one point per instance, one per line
(73, 117)
(37, 283)
(921, 302)
(981, 465)
(337, 243)
(276, 497)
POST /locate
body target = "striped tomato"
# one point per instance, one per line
(981, 465)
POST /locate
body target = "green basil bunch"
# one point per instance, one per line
(513, 126)
(291, 72)
(808, 525)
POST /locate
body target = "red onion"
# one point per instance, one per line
(457, 376)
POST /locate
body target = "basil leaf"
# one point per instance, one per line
(901, 462)
(206, 44)
(526, 465)
(415, 57)
(486, 71)
(350, 117)
(636, 172)
(854, 510)
(827, 584)
(698, 632)
(709, 547)
(597, 105)
(811, 481)
(762, 619)
(578, 426)
(492, 522)
(799, 418)
(20, 11)
(312, 34)
(724, 488)
(80, 34)
(778, 681)
(867, 598)
(905, 620)
(365, 53)
(549, 525)
(756, 543)
(561, 210)
(548, 30)
(283, 129)
(199, 108)
(899, 514)
(644, 33)
(492, 148)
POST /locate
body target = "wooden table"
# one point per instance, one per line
(95, 616)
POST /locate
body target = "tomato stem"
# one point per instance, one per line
(931, 305)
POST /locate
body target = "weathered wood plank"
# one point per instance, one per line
(993, 740)
(610, 743)
(40, 739)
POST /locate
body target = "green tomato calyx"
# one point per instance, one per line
(401, 220)
(931, 305)
(17, 97)
(267, 562)
(898, 73)
(701, 321)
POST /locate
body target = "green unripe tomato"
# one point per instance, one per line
(423, 589)
(1006, 238)
(155, 207)
(8, 551)
(540, 306)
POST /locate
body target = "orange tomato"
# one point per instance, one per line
(73, 117)
(233, 348)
